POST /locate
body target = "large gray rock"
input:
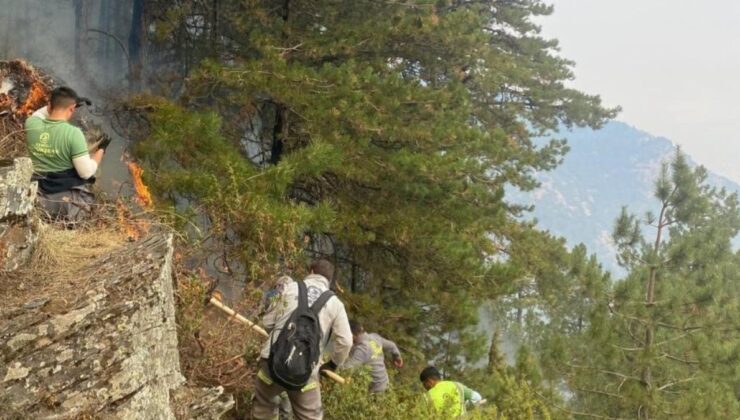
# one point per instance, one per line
(112, 354)
(201, 403)
(18, 227)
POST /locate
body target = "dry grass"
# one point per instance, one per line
(12, 138)
(215, 349)
(60, 265)
(61, 251)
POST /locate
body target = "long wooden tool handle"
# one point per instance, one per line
(334, 376)
(217, 303)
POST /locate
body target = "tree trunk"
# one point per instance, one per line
(650, 302)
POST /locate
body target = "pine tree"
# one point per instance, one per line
(397, 126)
(666, 344)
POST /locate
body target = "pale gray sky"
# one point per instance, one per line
(673, 66)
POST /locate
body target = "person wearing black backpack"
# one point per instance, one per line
(301, 319)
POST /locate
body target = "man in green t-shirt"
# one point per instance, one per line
(62, 164)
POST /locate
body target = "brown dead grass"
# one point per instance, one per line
(61, 251)
(60, 265)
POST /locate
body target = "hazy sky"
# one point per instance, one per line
(673, 66)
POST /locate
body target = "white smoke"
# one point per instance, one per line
(74, 41)
(78, 43)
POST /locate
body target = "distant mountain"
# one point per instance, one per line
(604, 170)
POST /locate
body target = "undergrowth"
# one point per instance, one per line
(404, 400)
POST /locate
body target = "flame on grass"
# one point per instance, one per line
(143, 196)
(135, 228)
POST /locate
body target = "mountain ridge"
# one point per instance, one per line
(604, 170)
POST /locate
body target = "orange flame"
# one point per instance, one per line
(143, 197)
(36, 98)
(133, 228)
(5, 101)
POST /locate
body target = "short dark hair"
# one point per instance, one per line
(62, 97)
(430, 372)
(356, 327)
(323, 268)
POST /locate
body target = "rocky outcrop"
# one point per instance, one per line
(18, 228)
(111, 354)
(201, 403)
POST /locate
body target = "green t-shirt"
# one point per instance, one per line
(53, 144)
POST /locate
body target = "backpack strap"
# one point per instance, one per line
(321, 301)
(302, 295)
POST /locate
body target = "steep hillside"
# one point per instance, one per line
(604, 170)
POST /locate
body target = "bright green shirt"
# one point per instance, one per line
(448, 397)
(53, 144)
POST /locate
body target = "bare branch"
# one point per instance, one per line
(678, 359)
(115, 38)
(670, 384)
(574, 413)
(608, 372)
(628, 348)
(596, 391)
(678, 337)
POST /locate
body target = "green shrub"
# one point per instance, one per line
(403, 401)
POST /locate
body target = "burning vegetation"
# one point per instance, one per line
(143, 196)
(23, 89)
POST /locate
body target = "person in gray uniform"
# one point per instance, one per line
(370, 349)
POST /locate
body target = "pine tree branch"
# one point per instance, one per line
(596, 391)
(631, 334)
(619, 388)
(284, 51)
(670, 384)
(608, 372)
(627, 348)
(678, 337)
(572, 412)
(673, 327)
(678, 359)
(632, 318)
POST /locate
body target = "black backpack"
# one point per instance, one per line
(295, 353)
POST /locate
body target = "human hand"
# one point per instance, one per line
(398, 362)
(330, 365)
(104, 141)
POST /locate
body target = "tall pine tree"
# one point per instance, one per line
(666, 344)
(394, 129)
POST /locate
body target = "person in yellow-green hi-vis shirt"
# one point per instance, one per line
(447, 397)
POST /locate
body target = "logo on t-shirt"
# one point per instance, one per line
(43, 147)
(313, 294)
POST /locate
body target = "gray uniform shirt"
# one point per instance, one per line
(369, 351)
